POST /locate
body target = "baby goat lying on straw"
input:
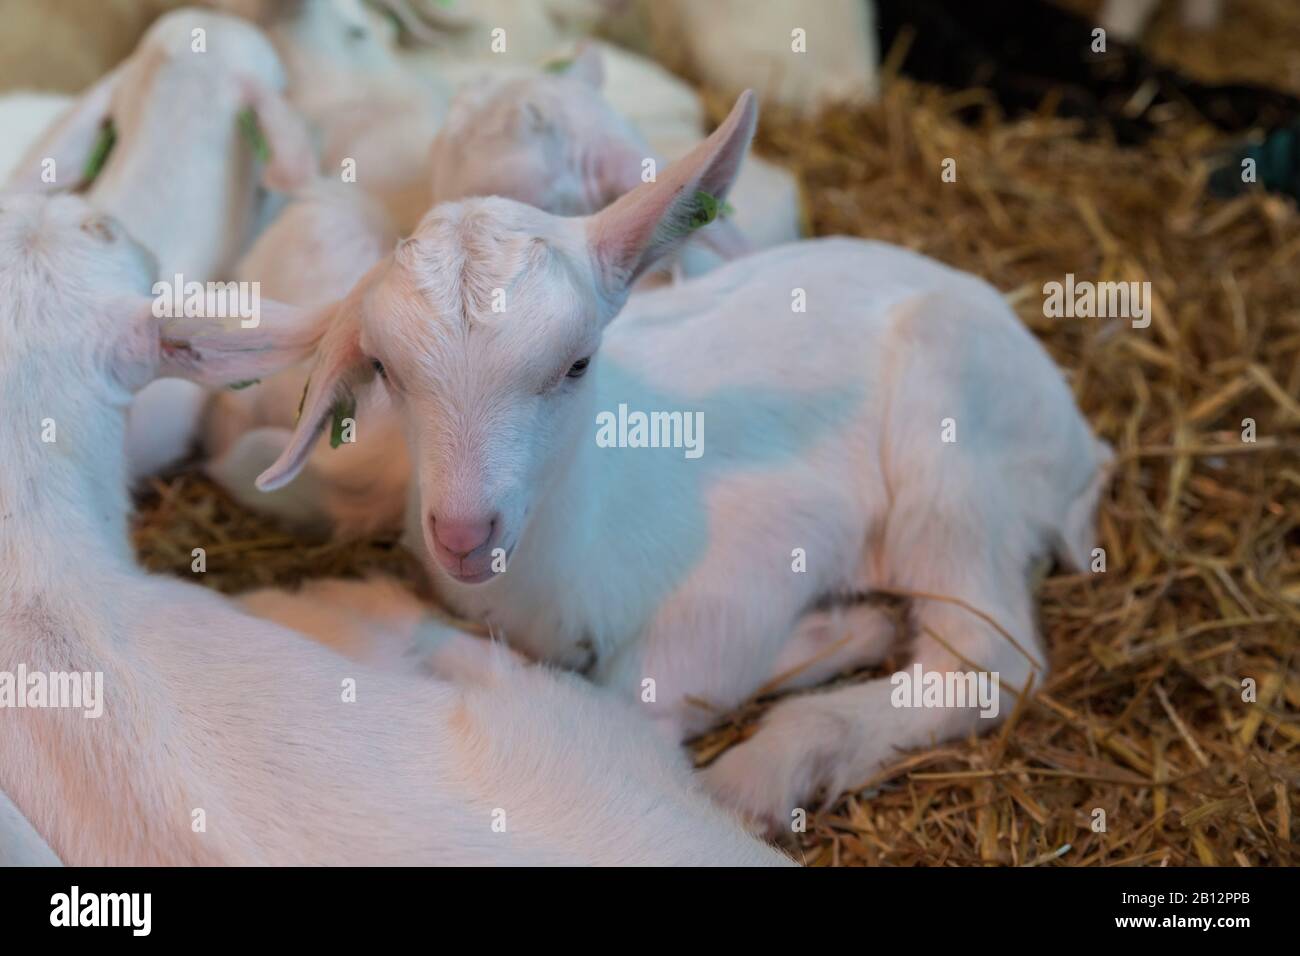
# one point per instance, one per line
(906, 433)
(213, 717)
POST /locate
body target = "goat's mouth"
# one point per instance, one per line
(478, 567)
(463, 576)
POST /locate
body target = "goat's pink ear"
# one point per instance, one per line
(618, 169)
(339, 363)
(134, 354)
(654, 219)
(284, 135)
(227, 351)
(69, 142)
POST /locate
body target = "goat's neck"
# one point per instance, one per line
(219, 196)
(63, 504)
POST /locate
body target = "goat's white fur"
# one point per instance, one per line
(824, 436)
(24, 117)
(554, 141)
(207, 708)
(371, 114)
(315, 251)
(1127, 19)
(549, 140)
(181, 177)
(379, 623)
(663, 107)
(733, 45)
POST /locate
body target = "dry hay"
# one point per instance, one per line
(1142, 714)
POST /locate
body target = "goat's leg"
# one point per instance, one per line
(701, 656)
(829, 642)
(836, 740)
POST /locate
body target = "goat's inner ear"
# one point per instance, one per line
(339, 364)
(654, 219)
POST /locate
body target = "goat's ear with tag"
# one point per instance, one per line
(338, 368)
(71, 142)
(654, 219)
(222, 351)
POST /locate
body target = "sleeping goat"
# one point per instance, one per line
(372, 116)
(158, 144)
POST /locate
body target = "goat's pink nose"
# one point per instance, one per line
(462, 537)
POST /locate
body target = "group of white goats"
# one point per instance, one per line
(473, 357)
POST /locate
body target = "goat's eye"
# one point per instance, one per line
(578, 368)
(378, 366)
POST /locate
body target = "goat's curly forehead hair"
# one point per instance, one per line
(465, 259)
(52, 237)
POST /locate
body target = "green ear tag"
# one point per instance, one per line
(237, 386)
(343, 408)
(253, 133)
(707, 208)
(557, 66)
(99, 155)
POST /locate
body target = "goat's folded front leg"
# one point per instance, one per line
(966, 670)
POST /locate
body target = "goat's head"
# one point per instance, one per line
(83, 304)
(483, 325)
(161, 129)
(550, 140)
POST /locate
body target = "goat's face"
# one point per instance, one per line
(483, 325)
(482, 330)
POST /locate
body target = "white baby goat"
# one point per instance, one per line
(800, 55)
(827, 466)
(547, 139)
(209, 715)
(571, 140)
(319, 246)
(180, 175)
(373, 117)
(553, 141)
(509, 39)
